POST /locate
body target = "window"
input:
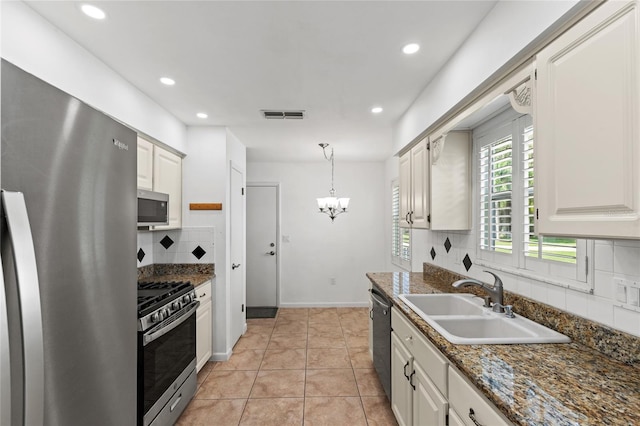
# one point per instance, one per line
(400, 237)
(506, 214)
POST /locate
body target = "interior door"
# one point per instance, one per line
(237, 250)
(262, 248)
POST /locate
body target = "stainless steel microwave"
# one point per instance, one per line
(153, 208)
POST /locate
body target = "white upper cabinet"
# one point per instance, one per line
(167, 178)
(451, 181)
(145, 164)
(161, 170)
(587, 125)
(414, 184)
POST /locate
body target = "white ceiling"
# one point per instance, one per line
(230, 59)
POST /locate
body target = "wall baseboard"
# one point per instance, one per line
(221, 356)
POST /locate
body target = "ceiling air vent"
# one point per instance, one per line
(281, 115)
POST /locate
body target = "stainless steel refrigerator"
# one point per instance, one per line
(68, 233)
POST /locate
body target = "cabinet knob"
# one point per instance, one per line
(408, 338)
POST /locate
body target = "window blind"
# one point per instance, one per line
(496, 177)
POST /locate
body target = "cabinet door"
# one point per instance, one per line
(401, 391)
(587, 145)
(145, 164)
(167, 178)
(429, 406)
(405, 190)
(451, 182)
(203, 334)
(454, 418)
(420, 185)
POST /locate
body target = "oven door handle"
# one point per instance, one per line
(379, 301)
(153, 335)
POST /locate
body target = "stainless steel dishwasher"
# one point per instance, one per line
(381, 315)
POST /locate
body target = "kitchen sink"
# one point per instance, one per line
(445, 304)
(461, 319)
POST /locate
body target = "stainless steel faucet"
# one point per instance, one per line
(495, 292)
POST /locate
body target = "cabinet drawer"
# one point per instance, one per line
(203, 292)
(464, 397)
(423, 351)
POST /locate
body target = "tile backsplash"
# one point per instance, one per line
(186, 245)
(614, 260)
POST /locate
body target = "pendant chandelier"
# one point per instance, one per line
(331, 205)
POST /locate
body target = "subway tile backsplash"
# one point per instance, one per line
(612, 259)
(186, 245)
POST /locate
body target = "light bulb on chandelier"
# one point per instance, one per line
(332, 205)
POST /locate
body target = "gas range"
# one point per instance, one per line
(158, 301)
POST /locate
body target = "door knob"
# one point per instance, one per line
(272, 253)
(234, 266)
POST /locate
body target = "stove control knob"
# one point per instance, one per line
(186, 298)
(176, 305)
(155, 317)
(165, 313)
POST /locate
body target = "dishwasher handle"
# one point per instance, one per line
(378, 300)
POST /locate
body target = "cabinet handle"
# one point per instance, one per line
(203, 295)
(408, 338)
(411, 379)
(472, 416)
(405, 370)
(406, 218)
(411, 217)
(371, 314)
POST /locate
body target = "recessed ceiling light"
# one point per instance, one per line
(202, 115)
(93, 12)
(168, 81)
(376, 110)
(411, 48)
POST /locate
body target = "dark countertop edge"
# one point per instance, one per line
(449, 349)
(195, 279)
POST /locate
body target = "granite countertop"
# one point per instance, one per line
(197, 274)
(535, 384)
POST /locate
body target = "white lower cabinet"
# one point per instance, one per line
(426, 390)
(203, 324)
(416, 399)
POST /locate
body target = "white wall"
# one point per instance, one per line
(319, 249)
(205, 179)
(506, 30)
(33, 44)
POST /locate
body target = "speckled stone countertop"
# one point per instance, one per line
(540, 384)
(197, 274)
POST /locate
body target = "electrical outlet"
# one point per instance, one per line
(332, 281)
(634, 296)
(621, 292)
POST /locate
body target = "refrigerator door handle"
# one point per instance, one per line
(26, 273)
(5, 365)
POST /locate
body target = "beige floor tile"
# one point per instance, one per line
(356, 340)
(219, 412)
(247, 359)
(273, 412)
(368, 382)
(284, 359)
(279, 384)
(359, 311)
(288, 341)
(262, 330)
(333, 411)
(378, 411)
(222, 384)
(328, 358)
(292, 313)
(326, 341)
(331, 382)
(360, 357)
(267, 322)
(252, 341)
(204, 371)
(324, 329)
(332, 320)
(355, 326)
(293, 326)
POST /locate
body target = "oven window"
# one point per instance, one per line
(165, 358)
